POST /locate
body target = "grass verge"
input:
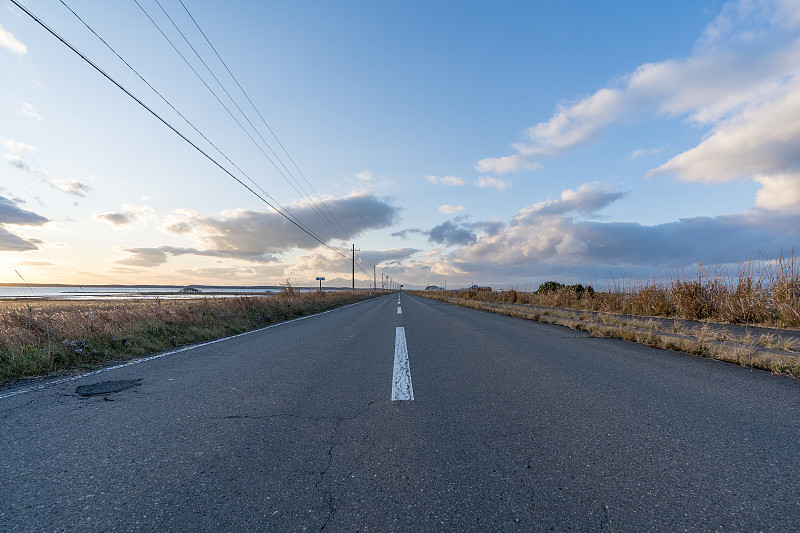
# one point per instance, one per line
(757, 292)
(42, 337)
(766, 351)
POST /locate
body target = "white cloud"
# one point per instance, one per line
(234, 275)
(28, 110)
(130, 215)
(742, 82)
(760, 141)
(571, 245)
(21, 164)
(450, 181)
(494, 183)
(365, 183)
(587, 199)
(533, 241)
(17, 161)
(365, 175)
(9, 42)
(457, 231)
(321, 262)
(73, 187)
(538, 243)
(779, 192)
(150, 257)
(504, 165)
(16, 147)
(645, 152)
(257, 235)
(573, 124)
(448, 209)
(548, 239)
(744, 21)
(12, 214)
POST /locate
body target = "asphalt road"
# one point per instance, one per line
(514, 426)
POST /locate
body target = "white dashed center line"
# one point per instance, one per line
(399, 310)
(401, 379)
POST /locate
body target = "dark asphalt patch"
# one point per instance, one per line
(107, 387)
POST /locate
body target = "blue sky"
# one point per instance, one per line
(463, 141)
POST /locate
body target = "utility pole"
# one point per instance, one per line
(374, 286)
(354, 265)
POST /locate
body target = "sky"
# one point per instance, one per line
(458, 143)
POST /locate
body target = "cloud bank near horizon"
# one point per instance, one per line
(256, 236)
(563, 237)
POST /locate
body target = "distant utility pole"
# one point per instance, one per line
(373, 278)
(354, 265)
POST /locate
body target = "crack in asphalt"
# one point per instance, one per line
(328, 493)
(605, 525)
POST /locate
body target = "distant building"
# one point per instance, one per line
(190, 290)
(480, 289)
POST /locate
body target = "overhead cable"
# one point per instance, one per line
(314, 205)
(167, 124)
(164, 99)
(227, 109)
(262, 118)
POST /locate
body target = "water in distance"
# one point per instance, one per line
(99, 292)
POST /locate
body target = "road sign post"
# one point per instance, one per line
(320, 283)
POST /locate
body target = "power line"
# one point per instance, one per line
(219, 100)
(262, 118)
(180, 114)
(266, 143)
(163, 121)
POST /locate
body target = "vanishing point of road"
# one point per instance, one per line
(404, 414)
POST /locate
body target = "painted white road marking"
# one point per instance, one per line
(401, 380)
(399, 310)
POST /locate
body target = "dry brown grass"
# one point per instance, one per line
(41, 337)
(758, 292)
(772, 352)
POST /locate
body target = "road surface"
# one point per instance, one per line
(514, 426)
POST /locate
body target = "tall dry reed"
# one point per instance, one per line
(763, 291)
